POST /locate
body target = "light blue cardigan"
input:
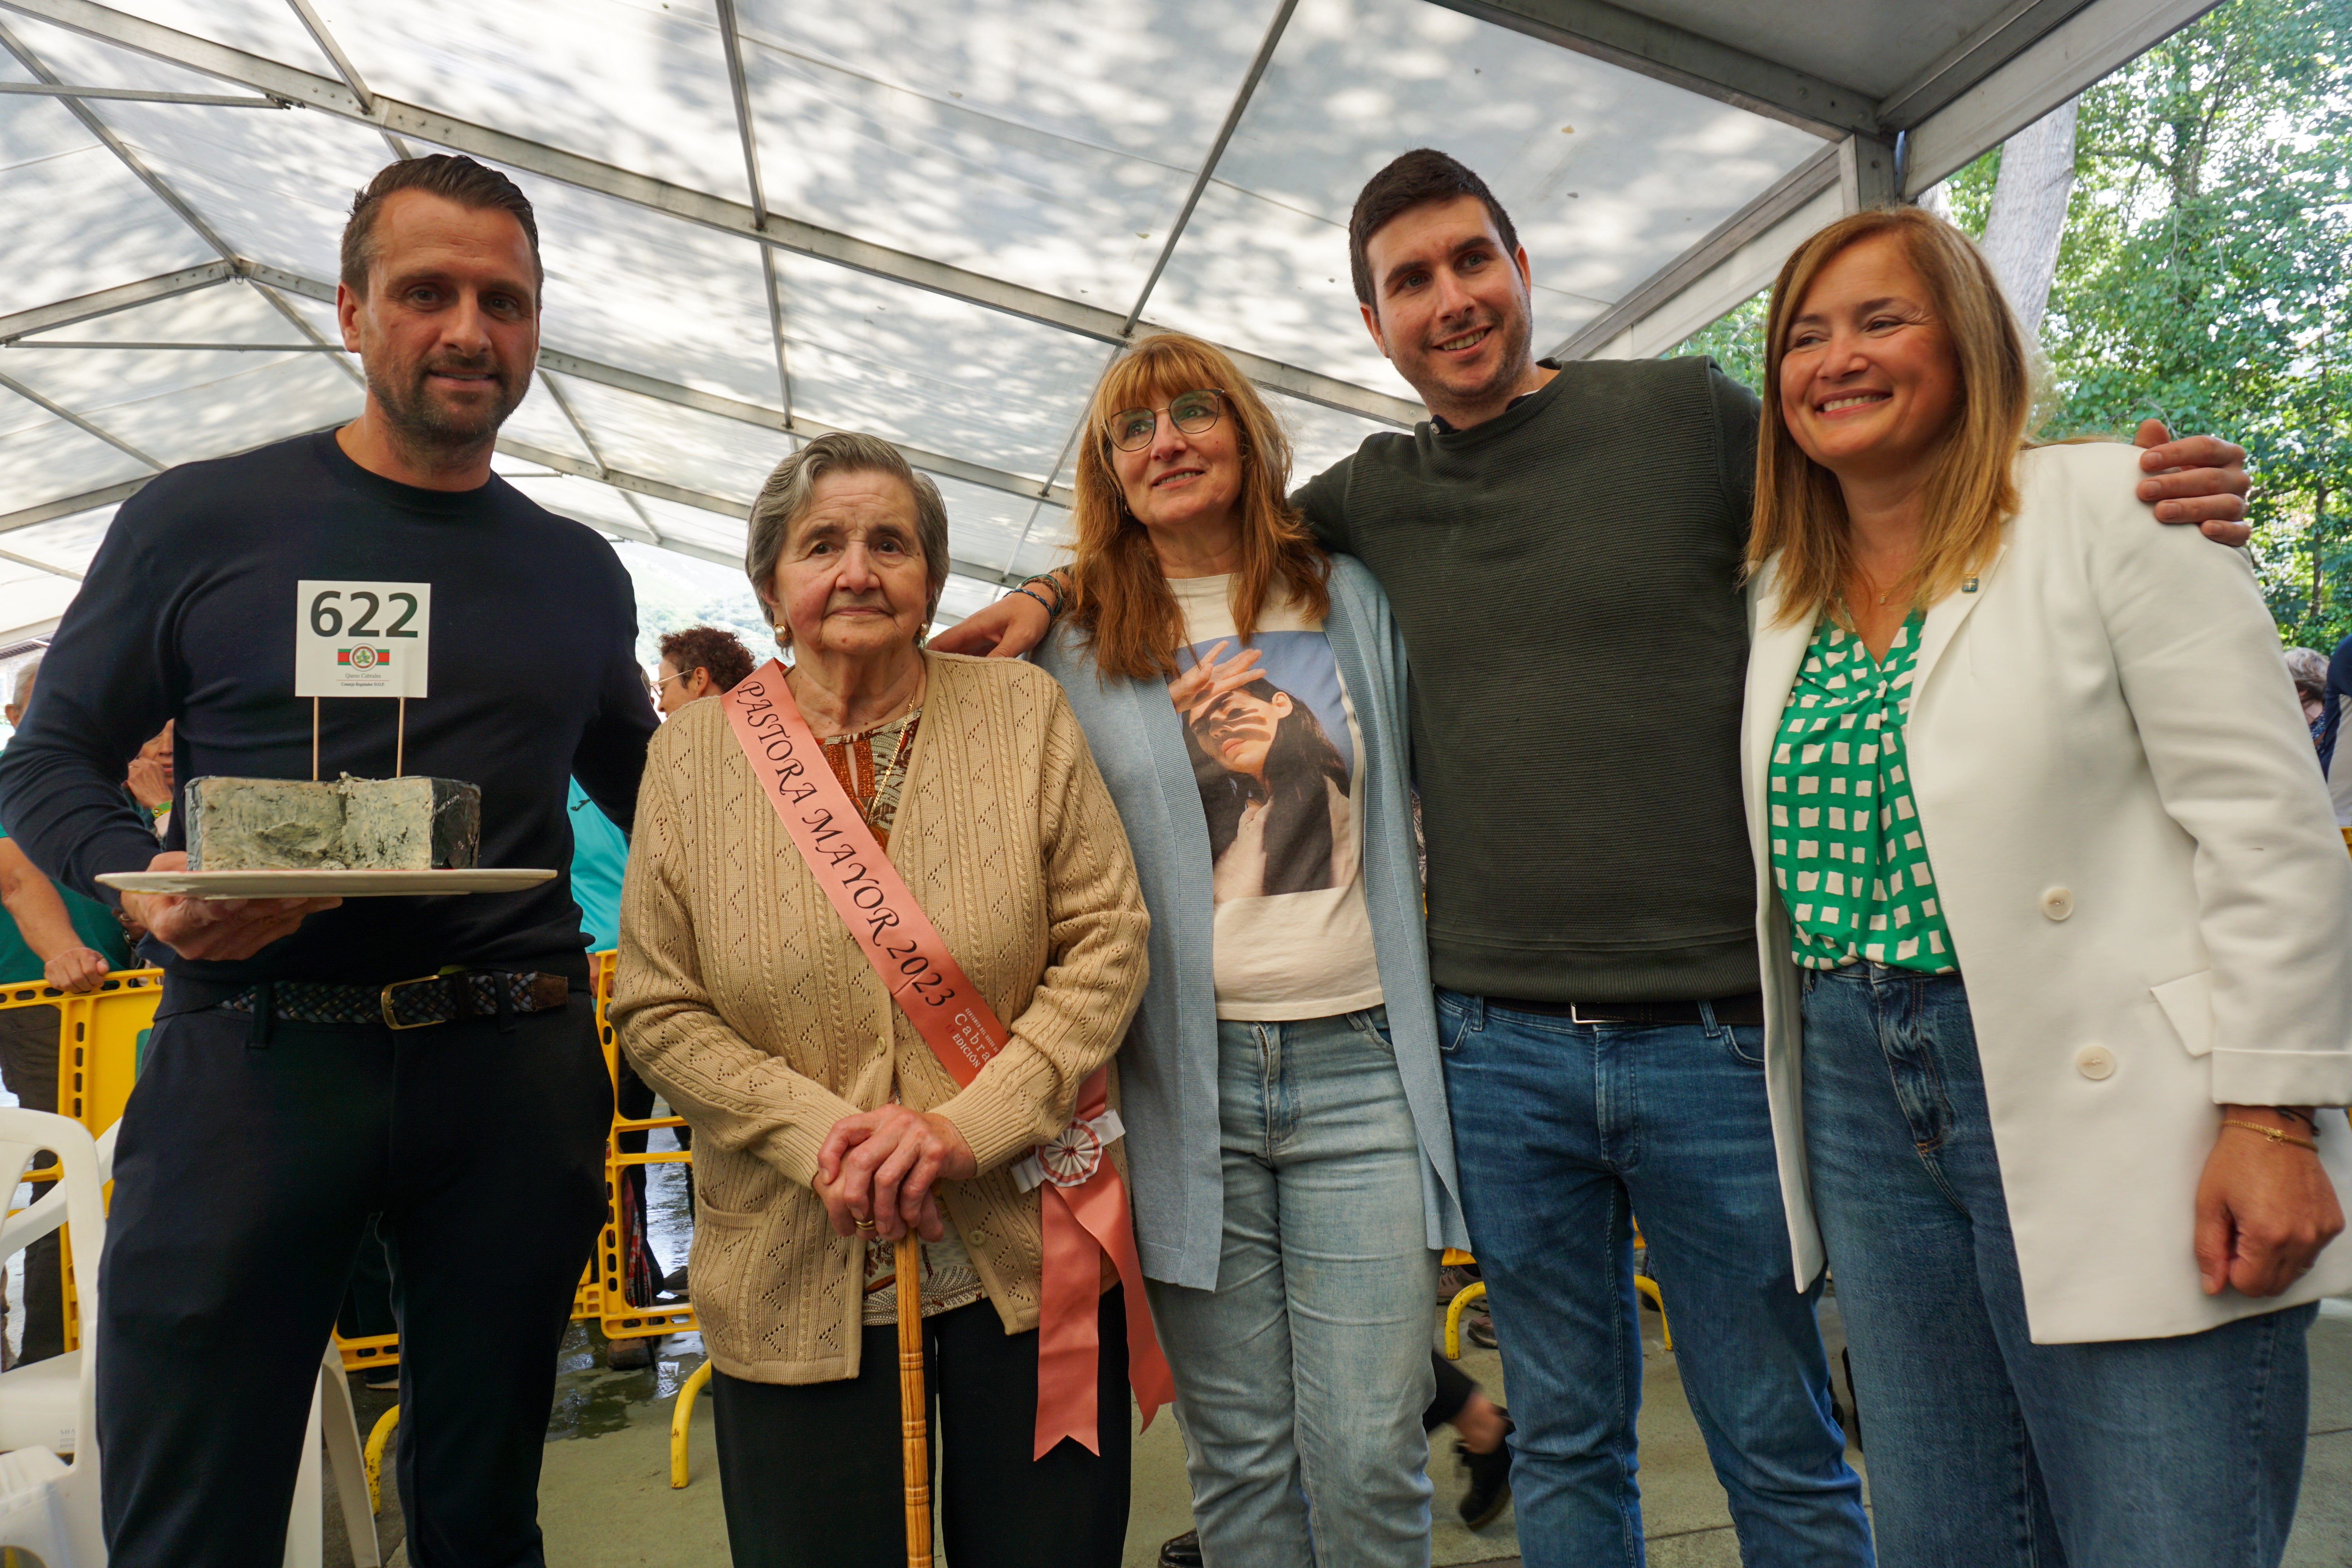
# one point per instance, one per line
(1167, 1067)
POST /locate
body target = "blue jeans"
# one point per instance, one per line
(1985, 1449)
(1563, 1132)
(1302, 1377)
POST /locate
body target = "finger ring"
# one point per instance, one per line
(866, 1224)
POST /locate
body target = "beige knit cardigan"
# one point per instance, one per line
(742, 996)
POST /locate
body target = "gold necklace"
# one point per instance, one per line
(897, 755)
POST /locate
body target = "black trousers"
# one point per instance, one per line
(247, 1166)
(29, 1066)
(812, 1472)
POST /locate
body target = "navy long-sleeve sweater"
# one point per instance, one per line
(188, 613)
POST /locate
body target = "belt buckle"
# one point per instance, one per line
(383, 999)
(1576, 1018)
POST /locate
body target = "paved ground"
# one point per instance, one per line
(606, 1499)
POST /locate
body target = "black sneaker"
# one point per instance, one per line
(1489, 1491)
(1180, 1550)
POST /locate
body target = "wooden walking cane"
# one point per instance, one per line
(914, 1413)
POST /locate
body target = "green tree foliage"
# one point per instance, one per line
(2205, 276)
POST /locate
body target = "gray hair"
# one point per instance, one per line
(25, 673)
(789, 492)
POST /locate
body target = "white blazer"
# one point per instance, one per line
(2150, 903)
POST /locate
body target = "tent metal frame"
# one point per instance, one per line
(2023, 60)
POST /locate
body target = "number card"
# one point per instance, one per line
(362, 640)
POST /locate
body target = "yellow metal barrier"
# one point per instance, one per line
(681, 1422)
(372, 1458)
(102, 1035)
(1477, 1291)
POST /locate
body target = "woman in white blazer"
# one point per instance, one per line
(2056, 933)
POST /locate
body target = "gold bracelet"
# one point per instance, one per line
(2272, 1133)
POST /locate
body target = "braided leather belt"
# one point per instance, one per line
(410, 1004)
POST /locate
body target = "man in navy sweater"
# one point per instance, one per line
(277, 1109)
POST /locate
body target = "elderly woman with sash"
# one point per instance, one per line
(880, 936)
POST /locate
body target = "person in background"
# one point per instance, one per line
(2054, 1107)
(697, 662)
(2335, 701)
(2308, 667)
(150, 780)
(53, 935)
(1575, 708)
(1293, 1164)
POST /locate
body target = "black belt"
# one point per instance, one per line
(406, 1004)
(1744, 1011)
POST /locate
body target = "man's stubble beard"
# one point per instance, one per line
(413, 421)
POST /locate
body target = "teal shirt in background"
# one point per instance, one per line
(599, 851)
(93, 921)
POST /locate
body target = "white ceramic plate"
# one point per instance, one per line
(321, 884)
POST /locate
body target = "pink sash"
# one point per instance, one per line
(1084, 1204)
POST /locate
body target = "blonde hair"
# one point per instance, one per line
(1971, 491)
(1119, 598)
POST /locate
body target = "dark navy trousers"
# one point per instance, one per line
(247, 1166)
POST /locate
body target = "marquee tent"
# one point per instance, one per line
(763, 219)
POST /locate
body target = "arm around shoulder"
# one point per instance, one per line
(2196, 654)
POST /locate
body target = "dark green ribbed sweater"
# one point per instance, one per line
(1567, 579)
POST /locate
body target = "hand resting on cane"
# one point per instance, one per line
(880, 1165)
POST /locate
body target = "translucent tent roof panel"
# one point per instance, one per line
(224, 314)
(184, 407)
(1607, 175)
(672, 299)
(265, 27)
(682, 447)
(1319, 436)
(1046, 142)
(1042, 145)
(932, 372)
(67, 541)
(44, 458)
(541, 422)
(642, 86)
(984, 526)
(274, 184)
(77, 220)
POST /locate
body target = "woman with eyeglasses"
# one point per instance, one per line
(1292, 1167)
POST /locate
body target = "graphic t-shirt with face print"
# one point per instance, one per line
(1280, 762)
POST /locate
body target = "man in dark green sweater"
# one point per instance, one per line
(1561, 545)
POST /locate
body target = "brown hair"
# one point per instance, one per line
(713, 648)
(790, 489)
(1423, 174)
(1972, 490)
(1119, 598)
(450, 176)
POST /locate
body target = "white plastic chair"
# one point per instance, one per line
(48, 1506)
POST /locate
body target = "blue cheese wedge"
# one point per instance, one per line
(343, 824)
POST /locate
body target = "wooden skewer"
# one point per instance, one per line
(914, 1413)
(314, 740)
(400, 742)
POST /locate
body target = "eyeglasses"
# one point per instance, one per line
(1191, 412)
(653, 687)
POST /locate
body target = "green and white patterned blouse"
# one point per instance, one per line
(1846, 848)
